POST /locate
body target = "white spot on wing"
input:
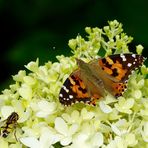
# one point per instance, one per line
(123, 57)
(133, 55)
(70, 96)
(61, 95)
(65, 89)
(129, 64)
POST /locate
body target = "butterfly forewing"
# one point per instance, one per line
(120, 66)
(73, 90)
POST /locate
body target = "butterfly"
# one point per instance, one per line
(91, 81)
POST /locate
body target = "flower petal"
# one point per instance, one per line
(6, 111)
(97, 140)
(66, 141)
(31, 142)
(104, 107)
(61, 126)
(25, 92)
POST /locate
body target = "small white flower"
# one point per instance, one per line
(137, 94)
(118, 142)
(87, 115)
(120, 127)
(116, 130)
(65, 130)
(97, 139)
(25, 91)
(114, 115)
(6, 111)
(87, 141)
(125, 105)
(80, 141)
(43, 74)
(130, 140)
(30, 142)
(33, 66)
(109, 99)
(24, 116)
(20, 76)
(29, 80)
(104, 107)
(45, 108)
(48, 137)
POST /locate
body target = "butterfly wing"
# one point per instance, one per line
(73, 90)
(120, 66)
(118, 89)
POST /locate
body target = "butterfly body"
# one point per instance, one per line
(93, 80)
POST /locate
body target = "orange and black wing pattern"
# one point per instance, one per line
(120, 66)
(73, 90)
(112, 75)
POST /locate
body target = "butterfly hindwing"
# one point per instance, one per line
(118, 89)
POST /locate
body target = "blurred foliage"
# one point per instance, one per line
(31, 29)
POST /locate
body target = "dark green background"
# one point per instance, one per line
(42, 28)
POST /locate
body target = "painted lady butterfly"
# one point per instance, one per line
(92, 80)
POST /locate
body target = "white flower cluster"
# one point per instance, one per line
(45, 123)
